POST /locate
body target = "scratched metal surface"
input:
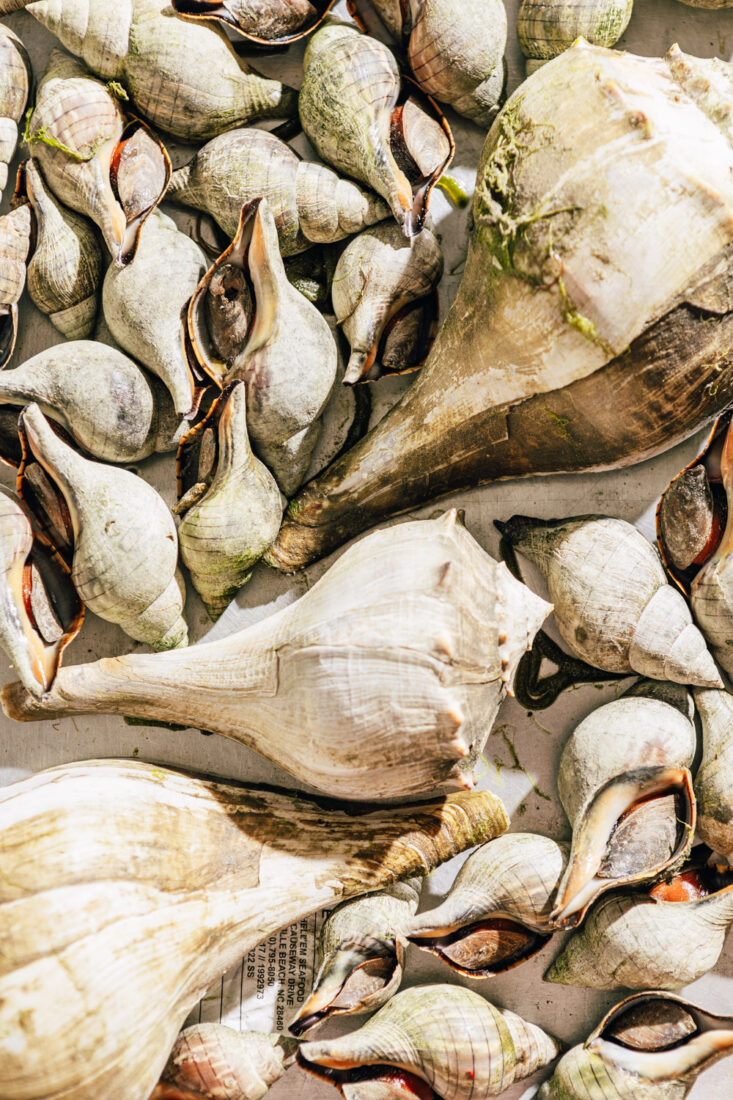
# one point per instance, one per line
(534, 741)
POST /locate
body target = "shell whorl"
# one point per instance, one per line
(714, 778)
(548, 27)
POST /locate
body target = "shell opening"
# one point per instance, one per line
(39, 490)
(402, 344)
(269, 26)
(8, 332)
(422, 146)
(348, 982)
(140, 171)
(354, 1081)
(199, 451)
(699, 879)
(484, 948)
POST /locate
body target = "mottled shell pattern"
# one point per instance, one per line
(214, 1062)
(232, 510)
(310, 203)
(714, 776)
(122, 541)
(375, 684)
(268, 23)
(548, 27)
(613, 605)
(652, 1046)
(443, 1035)
(15, 243)
(361, 954)
(15, 86)
(497, 912)
(379, 276)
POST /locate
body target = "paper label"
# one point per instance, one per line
(264, 991)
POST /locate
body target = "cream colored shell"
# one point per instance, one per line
(15, 84)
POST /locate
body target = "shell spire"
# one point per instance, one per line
(213, 1062)
(714, 778)
(15, 85)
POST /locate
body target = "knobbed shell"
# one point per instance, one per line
(310, 203)
(642, 940)
(361, 956)
(115, 174)
(39, 610)
(652, 1046)
(120, 536)
(203, 872)
(714, 778)
(106, 403)
(361, 118)
(65, 270)
(378, 279)
(547, 28)
(497, 912)
(145, 304)
(15, 85)
(15, 241)
(377, 683)
(232, 510)
(613, 606)
(213, 1062)
(442, 1035)
(262, 22)
(624, 782)
(455, 50)
(247, 322)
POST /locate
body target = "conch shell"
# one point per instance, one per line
(263, 22)
(581, 337)
(440, 1035)
(185, 78)
(362, 118)
(116, 531)
(15, 85)
(145, 305)
(624, 782)
(377, 683)
(497, 912)
(114, 173)
(213, 1062)
(548, 27)
(15, 242)
(455, 50)
(39, 610)
(103, 400)
(652, 1046)
(65, 270)
(379, 279)
(361, 955)
(310, 203)
(96, 982)
(231, 506)
(714, 777)
(247, 322)
(661, 940)
(613, 605)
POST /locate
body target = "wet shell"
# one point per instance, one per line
(548, 27)
(310, 203)
(380, 274)
(15, 240)
(65, 270)
(361, 956)
(15, 85)
(449, 1037)
(613, 606)
(124, 550)
(213, 1062)
(377, 683)
(237, 514)
(263, 22)
(714, 778)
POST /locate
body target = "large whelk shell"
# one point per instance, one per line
(361, 955)
(624, 783)
(106, 403)
(236, 512)
(145, 304)
(379, 276)
(247, 322)
(377, 683)
(124, 548)
(15, 241)
(497, 912)
(660, 940)
(263, 22)
(310, 203)
(213, 1062)
(202, 873)
(115, 173)
(613, 606)
(714, 778)
(548, 27)
(15, 84)
(65, 270)
(39, 610)
(652, 1046)
(355, 109)
(450, 1038)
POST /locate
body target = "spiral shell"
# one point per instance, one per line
(15, 240)
(714, 778)
(548, 27)
(213, 1062)
(15, 85)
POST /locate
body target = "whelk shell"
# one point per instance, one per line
(714, 777)
(107, 977)
(548, 27)
(213, 1062)
(361, 955)
(15, 85)
(263, 22)
(15, 242)
(375, 684)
